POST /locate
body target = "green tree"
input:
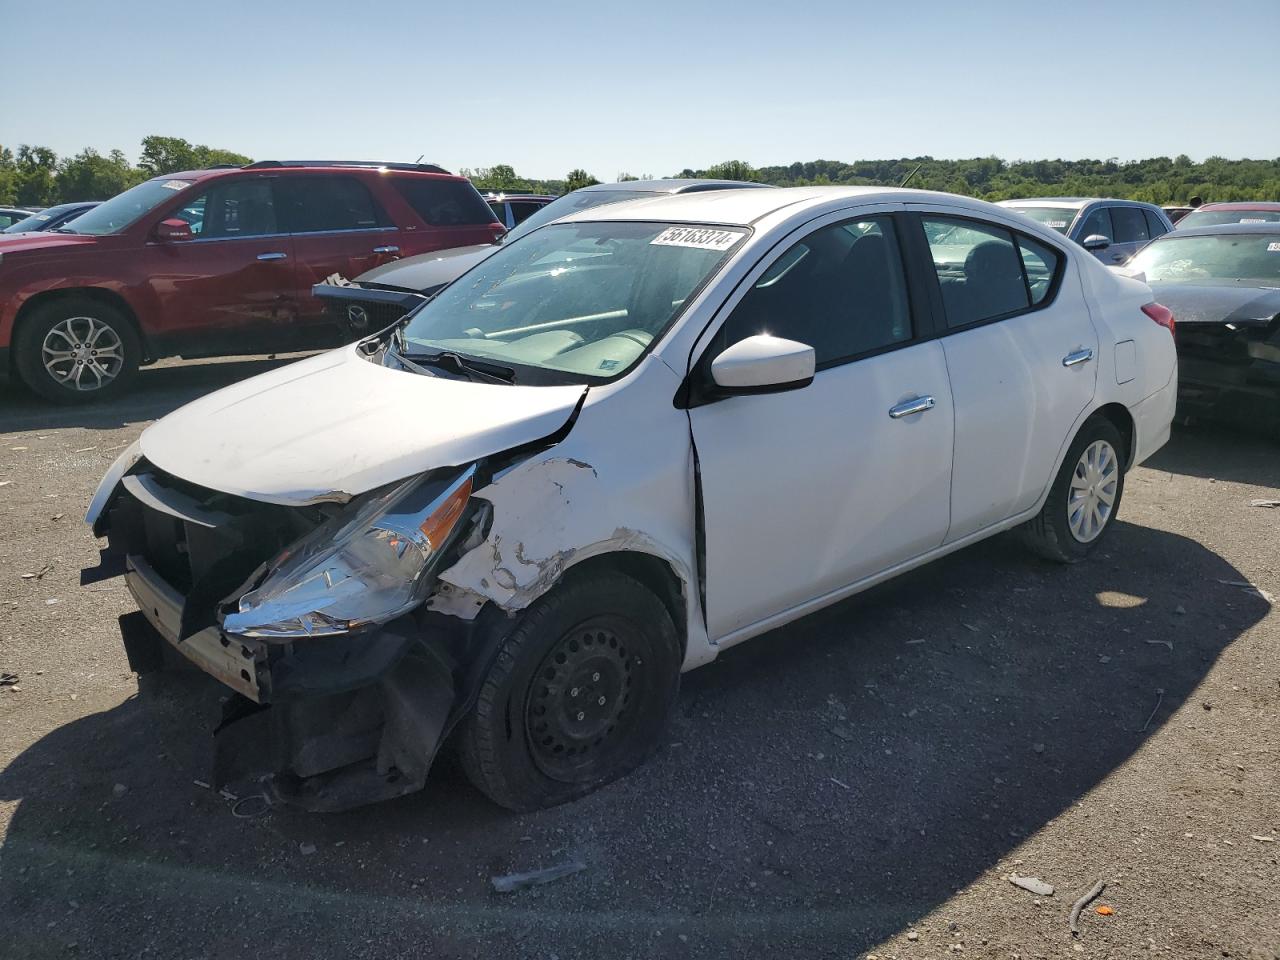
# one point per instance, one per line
(170, 154)
(34, 169)
(8, 177)
(731, 170)
(577, 179)
(90, 176)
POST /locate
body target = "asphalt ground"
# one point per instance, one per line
(860, 782)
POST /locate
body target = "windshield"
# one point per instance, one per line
(1214, 218)
(573, 203)
(1173, 259)
(1056, 218)
(34, 222)
(124, 209)
(582, 299)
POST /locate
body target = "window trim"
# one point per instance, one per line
(935, 285)
(694, 390)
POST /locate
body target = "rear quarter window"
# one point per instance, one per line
(445, 203)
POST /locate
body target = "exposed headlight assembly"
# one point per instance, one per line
(369, 564)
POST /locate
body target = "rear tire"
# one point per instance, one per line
(1084, 498)
(76, 350)
(578, 695)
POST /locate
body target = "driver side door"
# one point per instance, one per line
(808, 492)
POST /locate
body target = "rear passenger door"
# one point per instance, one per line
(1020, 347)
(337, 227)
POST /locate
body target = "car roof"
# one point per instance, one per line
(1241, 205)
(210, 173)
(504, 195)
(745, 207)
(673, 185)
(1219, 229)
(1075, 202)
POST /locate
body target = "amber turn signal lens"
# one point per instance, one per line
(438, 524)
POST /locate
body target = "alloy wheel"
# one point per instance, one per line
(82, 353)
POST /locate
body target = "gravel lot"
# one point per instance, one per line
(859, 783)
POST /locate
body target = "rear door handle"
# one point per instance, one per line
(907, 407)
(1077, 356)
(273, 256)
(386, 249)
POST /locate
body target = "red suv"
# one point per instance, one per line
(215, 262)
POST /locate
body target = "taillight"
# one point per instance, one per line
(1161, 315)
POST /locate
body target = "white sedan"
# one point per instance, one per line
(618, 446)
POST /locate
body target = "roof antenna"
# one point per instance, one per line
(910, 175)
(420, 156)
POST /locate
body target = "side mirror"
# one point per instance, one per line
(763, 364)
(169, 231)
(1096, 241)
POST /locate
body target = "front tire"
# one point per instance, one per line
(1084, 498)
(76, 350)
(578, 695)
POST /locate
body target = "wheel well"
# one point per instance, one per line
(1122, 420)
(653, 572)
(107, 297)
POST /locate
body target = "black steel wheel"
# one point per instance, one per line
(579, 694)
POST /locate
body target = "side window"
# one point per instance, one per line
(322, 204)
(1130, 224)
(522, 210)
(841, 290)
(979, 270)
(1098, 224)
(1041, 265)
(240, 208)
(446, 203)
(1155, 228)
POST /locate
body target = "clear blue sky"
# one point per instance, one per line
(647, 88)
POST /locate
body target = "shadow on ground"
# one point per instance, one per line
(157, 391)
(823, 787)
(1224, 452)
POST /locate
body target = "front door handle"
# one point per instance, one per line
(1077, 356)
(272, 256)
(386, 249)
(907, 407)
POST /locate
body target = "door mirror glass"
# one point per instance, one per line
(1096, 241)
(170, 231)
(763, 364)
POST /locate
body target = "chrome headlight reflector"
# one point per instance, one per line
(367, 565)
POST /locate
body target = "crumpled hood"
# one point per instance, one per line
(336, 425)
(1214, 303)
(428, 270)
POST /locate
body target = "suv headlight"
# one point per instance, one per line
(369, 564)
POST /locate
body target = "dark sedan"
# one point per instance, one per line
(51, 218)
(1223, 285)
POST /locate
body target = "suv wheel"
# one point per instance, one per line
(1084, 498)
(578, 695)
(76, 350)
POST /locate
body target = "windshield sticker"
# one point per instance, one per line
(175, 184)
(1056, 224)
(609, 364)
(1252, 220)
(1273, 248)
(701, 238)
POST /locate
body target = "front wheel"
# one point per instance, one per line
(76, 350)
(1084, 498)
(578, 695)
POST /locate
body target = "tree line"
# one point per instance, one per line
(36, 176)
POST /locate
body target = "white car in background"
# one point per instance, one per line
(613, 449)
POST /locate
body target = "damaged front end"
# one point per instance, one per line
(344, 685)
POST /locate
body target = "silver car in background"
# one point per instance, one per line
(1112, 230)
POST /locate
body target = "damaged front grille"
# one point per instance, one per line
(202, 543)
